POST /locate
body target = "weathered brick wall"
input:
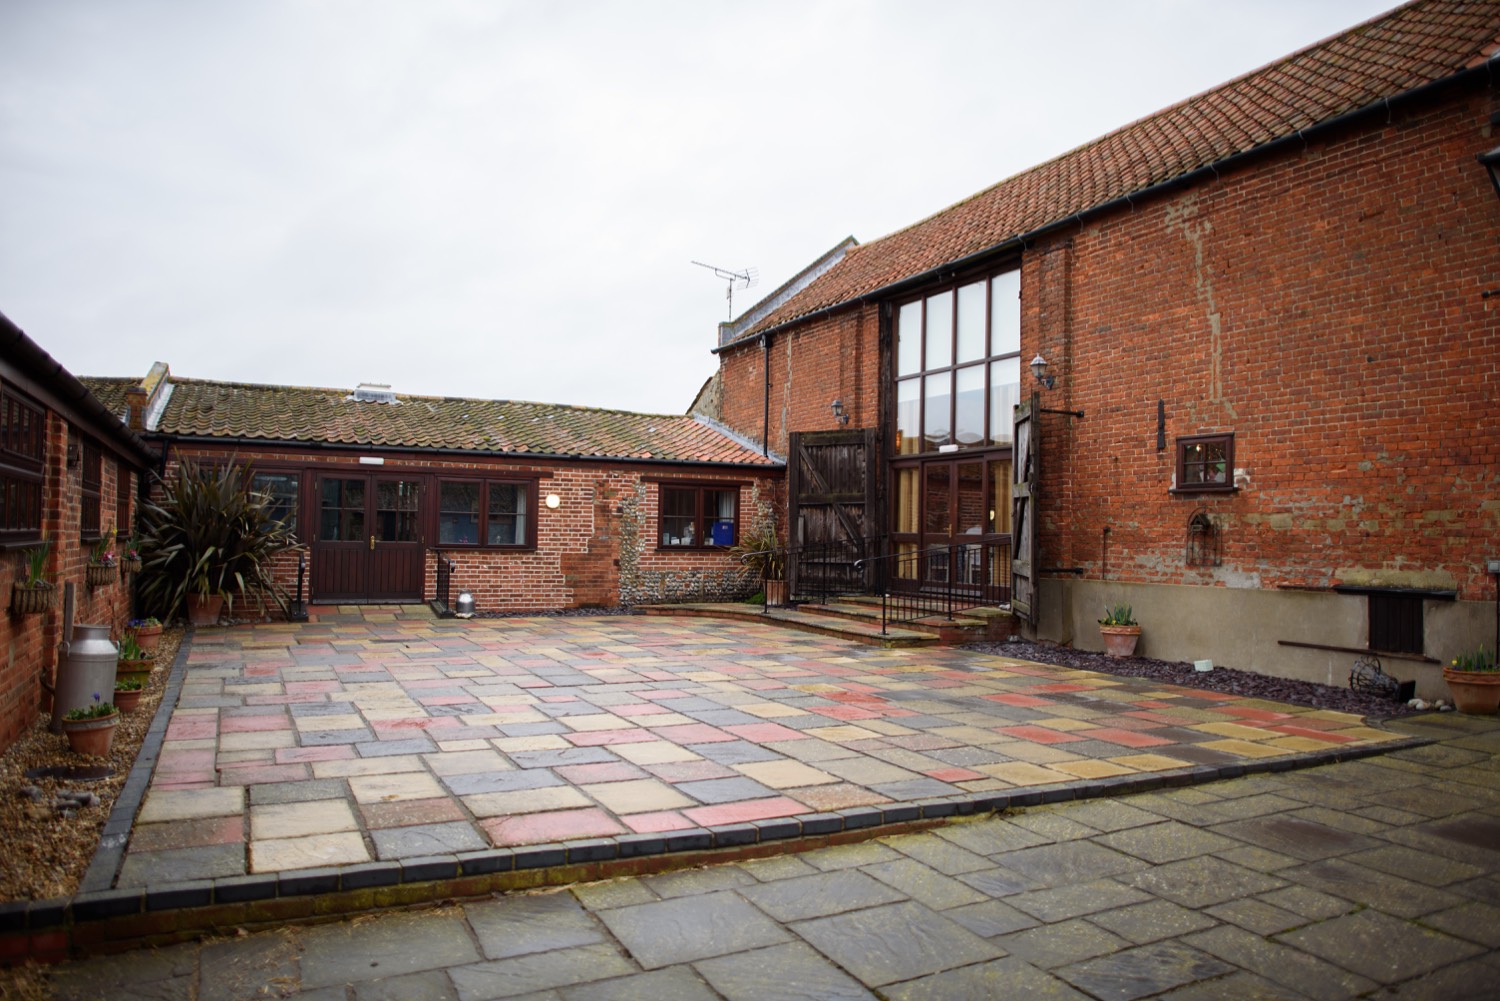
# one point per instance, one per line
(836, 357)
(1324, 306)
(597, 548)
(30, 642)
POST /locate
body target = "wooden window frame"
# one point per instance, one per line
(253, 470)
(23, 445)
(1180, 483)
(701, 520)
(921, 375)
(528, 487)
(90, 490)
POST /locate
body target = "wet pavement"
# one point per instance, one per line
(381, 735)
(1377, 877)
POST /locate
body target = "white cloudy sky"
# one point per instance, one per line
(501, 199)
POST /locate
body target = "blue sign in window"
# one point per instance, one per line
(723, 533)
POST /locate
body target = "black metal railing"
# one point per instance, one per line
(441, 599)
(933, 582)
(821, 571)
(297, 607)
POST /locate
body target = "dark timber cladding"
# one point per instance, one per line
(832, 486)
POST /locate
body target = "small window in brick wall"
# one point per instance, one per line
(22, 433)
(1205, 463)
(1395, 622)
(698, 517)
(91, 490)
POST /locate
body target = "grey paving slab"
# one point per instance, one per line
(1152, 921)
(820, 895)
(1143, 971)
(1380, 947)
(669, 984)
(401, 943)
(1281, 964)
(791, 972)
(1076, 899)
(516, 926)
(427, 839)
(1200, 882)
(1169, 841)
(433, 985)
(691, 928)
(1050, 946)
(540, 971)
(884, 945)
(1001, 978)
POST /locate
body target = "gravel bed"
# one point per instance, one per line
(1220, 679)
(47, 850)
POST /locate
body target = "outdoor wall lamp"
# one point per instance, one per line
(1491, 161)
(75, 455)
(1039, 369)
(839, 413)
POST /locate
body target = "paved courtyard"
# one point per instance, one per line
(376, 735)
(1376, 878)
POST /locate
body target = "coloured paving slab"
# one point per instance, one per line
(384, 736)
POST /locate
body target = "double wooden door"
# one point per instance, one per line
(368, 545)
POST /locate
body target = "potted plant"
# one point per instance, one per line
(1474, 681)
(128, 693)
(133, 663)
(1120, 631)
(760, 550)
(101, 568)
(209, 538)
(130, 556)
(33, 592)
(91, 729)
(147, 633)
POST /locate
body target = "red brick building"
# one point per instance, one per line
(1268, 416)
(537, 506)
(69, 474)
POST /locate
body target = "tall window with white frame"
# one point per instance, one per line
(957, 382)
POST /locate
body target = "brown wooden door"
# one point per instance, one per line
(1023, 512)
(831, 509)
(368, 545)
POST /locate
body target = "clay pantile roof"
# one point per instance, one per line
(1386, 56)
(202, 408)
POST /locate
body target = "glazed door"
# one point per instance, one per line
(368, 545)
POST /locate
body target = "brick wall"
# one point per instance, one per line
(1325, 307)
(30, 642)
(597, 548)
(836, 357)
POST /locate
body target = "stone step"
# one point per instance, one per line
(859, 630)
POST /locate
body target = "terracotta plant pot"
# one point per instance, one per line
(30, 600)
(775, 593)
(91, 736)
(204, 611)
(147, 637)
(1474, 692)
(129, 700)
(1120, 641)
(99, 574)
(134, 670)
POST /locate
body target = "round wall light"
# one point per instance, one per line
(553, 500)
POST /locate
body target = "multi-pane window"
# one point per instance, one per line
(484, 513)
(698, 516)
(22, 437)
(958, 366)
(282, 492)
(91, 490)
(1205, 463)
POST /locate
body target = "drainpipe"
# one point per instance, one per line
(765, 361)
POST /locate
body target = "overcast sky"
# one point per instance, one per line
(501, 199)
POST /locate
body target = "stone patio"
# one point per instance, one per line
(383, 735)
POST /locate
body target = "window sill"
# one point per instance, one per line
(693, 549)
(1191, 491)
(469, 547)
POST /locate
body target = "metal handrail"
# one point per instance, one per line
(443, 584)
(973, 575)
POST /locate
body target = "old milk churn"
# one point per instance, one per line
(88, 667)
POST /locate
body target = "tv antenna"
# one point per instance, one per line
(747, 278)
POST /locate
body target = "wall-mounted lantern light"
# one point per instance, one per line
(1491, 161)
(1039, 369)
(839, 413)
(75, 454)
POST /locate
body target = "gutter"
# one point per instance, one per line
(1019, 242)
(178, 441)
(30, 358)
